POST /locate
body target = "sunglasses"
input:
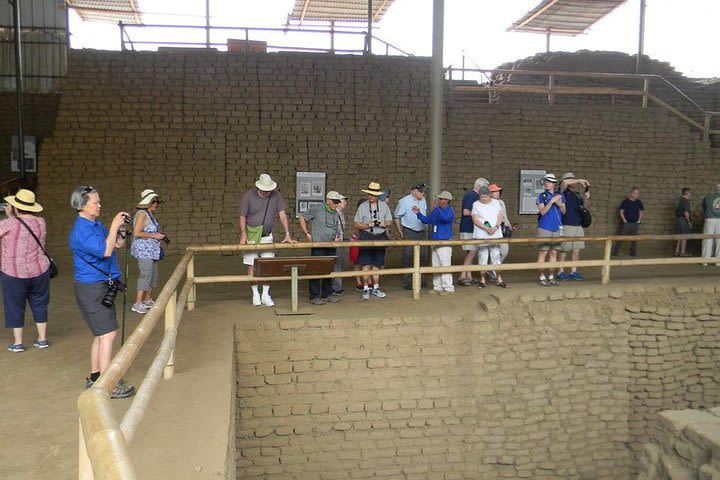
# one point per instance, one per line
(88, 190)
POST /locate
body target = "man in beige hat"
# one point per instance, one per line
(324, 225)
(372, 219)
(441, 220)
(258, 210)
(572, 221)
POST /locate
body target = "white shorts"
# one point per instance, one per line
(250, 256)
(467, 236)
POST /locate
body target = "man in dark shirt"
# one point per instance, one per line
(631, 213)
(572, 222)
(683, 225)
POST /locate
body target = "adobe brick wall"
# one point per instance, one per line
(685, 444)
(200, 127)
(558, 386)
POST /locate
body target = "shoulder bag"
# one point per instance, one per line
(255, 233)
(53, 265)
(585, 216)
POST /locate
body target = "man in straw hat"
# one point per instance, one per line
(372, 219)
(572, 221)
(551, 208)
(324, 226)
(258, 210)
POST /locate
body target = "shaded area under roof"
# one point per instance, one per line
(112, 11)
(565, 17)
(339, 10)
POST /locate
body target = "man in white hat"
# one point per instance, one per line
(324, 225)
(551, 208)
(409, 227)
(572, 221)
(372, 219)
(258, 210)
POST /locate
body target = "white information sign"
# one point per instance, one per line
(530, 187)
(309, 191)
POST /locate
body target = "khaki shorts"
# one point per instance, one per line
(467, 236)
(250, 256)
(542, 233)
(572, 231)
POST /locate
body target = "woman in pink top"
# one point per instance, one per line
(25, 269)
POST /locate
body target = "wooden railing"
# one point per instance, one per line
(104, 440)
(704, 121)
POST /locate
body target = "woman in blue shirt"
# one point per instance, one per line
(97, 279)
(441, 218)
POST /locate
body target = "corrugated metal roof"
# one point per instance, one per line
(569, 17)
(339, 10)
(112, 11)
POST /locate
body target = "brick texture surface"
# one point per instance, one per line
(539, 388)
(200, 127)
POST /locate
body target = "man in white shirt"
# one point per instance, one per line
(410, 228)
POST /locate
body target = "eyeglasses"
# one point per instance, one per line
(88, 190)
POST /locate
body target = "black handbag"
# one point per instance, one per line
(506, 230)
(585, 215)
(53, 266)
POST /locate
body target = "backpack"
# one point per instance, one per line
(585, 216)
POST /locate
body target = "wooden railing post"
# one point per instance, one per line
(85, 471)
(551, 95)
(606, 258)
(416, 272)
(646, 92)
(170, 308)
(190, 273)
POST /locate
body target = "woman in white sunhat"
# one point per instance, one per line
(25, 268)
(146, 247)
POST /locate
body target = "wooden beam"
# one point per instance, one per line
(536, 14)
(304, 10)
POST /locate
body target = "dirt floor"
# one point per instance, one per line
(40, 421)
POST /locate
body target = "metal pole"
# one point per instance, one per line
(369, 29)
(207, 23)
(547, 40)
(436, 96)
(19, 89)
(641, 39)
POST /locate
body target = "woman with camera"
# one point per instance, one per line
(25, 268)
(97, 279)
(147, 248)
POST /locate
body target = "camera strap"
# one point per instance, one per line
(97, 268)
(35, 237)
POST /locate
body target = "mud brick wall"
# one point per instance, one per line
(685, 444)
(199, 127)
(559, 386)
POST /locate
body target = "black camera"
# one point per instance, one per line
(376, 223)
(113, 287)
(166, 239)
(126, 218)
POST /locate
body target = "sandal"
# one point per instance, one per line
(502, 285)
(481, 285)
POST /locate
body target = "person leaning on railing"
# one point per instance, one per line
(97, 279)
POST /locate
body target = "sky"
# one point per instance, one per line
(476, 29)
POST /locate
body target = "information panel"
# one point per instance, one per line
(530, 187)
(309, 191)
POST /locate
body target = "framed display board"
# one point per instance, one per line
(30, 154)
(530, 187)
(309, 191)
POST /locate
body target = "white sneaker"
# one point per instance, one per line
(267, 301)
(139, 308)
(148, 303)
(256, 300)
(378, 293)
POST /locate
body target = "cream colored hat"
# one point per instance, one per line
(373, 189)
(567, 176)
(24, 200)
(265, 183)
(445, 195)
(146, 198)
(333, 195)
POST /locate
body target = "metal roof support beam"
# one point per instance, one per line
(641, 39)
(369, 29)
(19, 87)
(437, 78)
